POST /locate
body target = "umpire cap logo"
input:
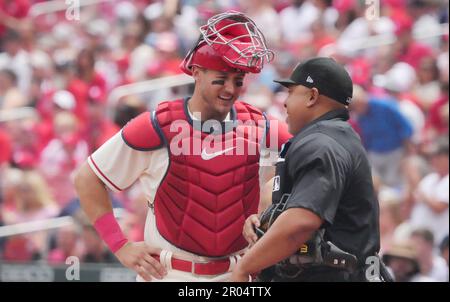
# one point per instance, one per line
(276, 183)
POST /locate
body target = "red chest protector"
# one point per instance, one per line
(206, 195)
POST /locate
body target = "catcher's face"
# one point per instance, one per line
(218, 90)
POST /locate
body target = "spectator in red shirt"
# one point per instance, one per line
(360, 71)
(62, 155)
(11, 12)
(5, 147)
(438, 116)
(406, 49)
(25, 142)
(99, 128)
(80, 90)
(320, 35)
(85, 69)
(85, 79)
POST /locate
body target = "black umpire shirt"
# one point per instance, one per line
(330, 175)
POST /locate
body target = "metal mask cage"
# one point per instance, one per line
(254, 55)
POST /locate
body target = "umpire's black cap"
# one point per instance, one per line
(325, 74)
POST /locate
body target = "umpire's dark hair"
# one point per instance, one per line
(425, 234)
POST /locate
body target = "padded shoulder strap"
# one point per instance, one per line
(143, 132)
(247, 112)
(277, 134)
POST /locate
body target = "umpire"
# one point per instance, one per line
(323, 223)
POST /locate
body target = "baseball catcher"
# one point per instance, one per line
(197, 160)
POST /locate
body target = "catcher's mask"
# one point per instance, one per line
(229, 42)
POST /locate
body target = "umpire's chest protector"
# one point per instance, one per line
(212, 183)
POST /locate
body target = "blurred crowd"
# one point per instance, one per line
(57, 74)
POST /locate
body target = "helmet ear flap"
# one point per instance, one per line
(186, 66)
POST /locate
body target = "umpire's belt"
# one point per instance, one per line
(209, 267)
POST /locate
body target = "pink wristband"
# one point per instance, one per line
(109, 230)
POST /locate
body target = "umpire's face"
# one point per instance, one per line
(299, 104)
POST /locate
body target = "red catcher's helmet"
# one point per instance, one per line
(229, 42)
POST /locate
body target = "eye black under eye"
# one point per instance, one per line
(218, 82)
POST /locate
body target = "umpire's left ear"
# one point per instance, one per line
(313, 97)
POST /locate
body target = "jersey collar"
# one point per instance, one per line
(227, 125)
